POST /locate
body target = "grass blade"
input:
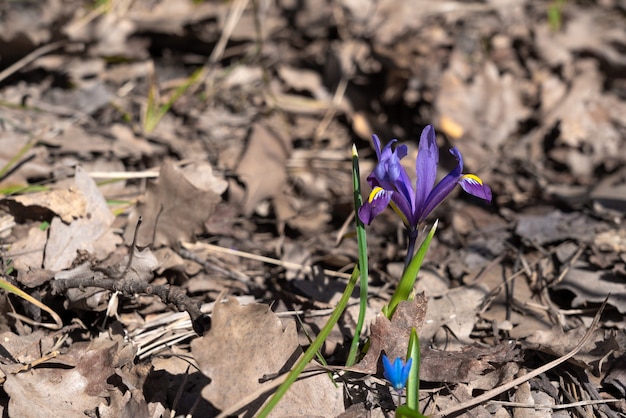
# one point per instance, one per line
(362, 242)
(413, 383)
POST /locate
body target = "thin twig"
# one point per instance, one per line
(133, 247)
(30, 58)
(268, 260)
(168, 294)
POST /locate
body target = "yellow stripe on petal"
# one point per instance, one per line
(374, 193)
(473, 178)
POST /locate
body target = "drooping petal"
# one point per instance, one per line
(391, 185)
(376, 202)
(426, 166)
(473, 185)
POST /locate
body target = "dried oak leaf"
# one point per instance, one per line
(456, 310)
(488, 110)
(392, 336)
(263, 166)
(174, 209)
(45, 392)
(245, 344)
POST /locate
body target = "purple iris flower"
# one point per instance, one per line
(397, 373)
(392, 186)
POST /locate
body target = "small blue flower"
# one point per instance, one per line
(397, 373)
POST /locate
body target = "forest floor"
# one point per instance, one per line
(176, 168)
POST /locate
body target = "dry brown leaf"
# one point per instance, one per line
(247, 343)
(487, 110)
(88, 298)
(68, 204)
(91, 233)
(591, 285)
(43, 391)
(27, 252)
(463, 393)
(24, 349)
(127, 144)
(32, 21)
(616, 377)
(173, 210)
(33, 163)
(392, 337)
(555, 226)
(262, 167)
(610, 193)
(593, 354)
(456, 310)
(582, 117)
(127, 405)
(525, 396)
(304, 80)
(464, 366)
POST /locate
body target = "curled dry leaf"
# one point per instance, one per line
(392, 336)
(68, 204)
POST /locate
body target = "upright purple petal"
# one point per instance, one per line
(381, 172)
(439, 194)
(425, 167)
(376, 142)
(444, 187)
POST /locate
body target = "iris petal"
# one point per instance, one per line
(376, 202)
(426, 166)
(444, 187)
(474, 185)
